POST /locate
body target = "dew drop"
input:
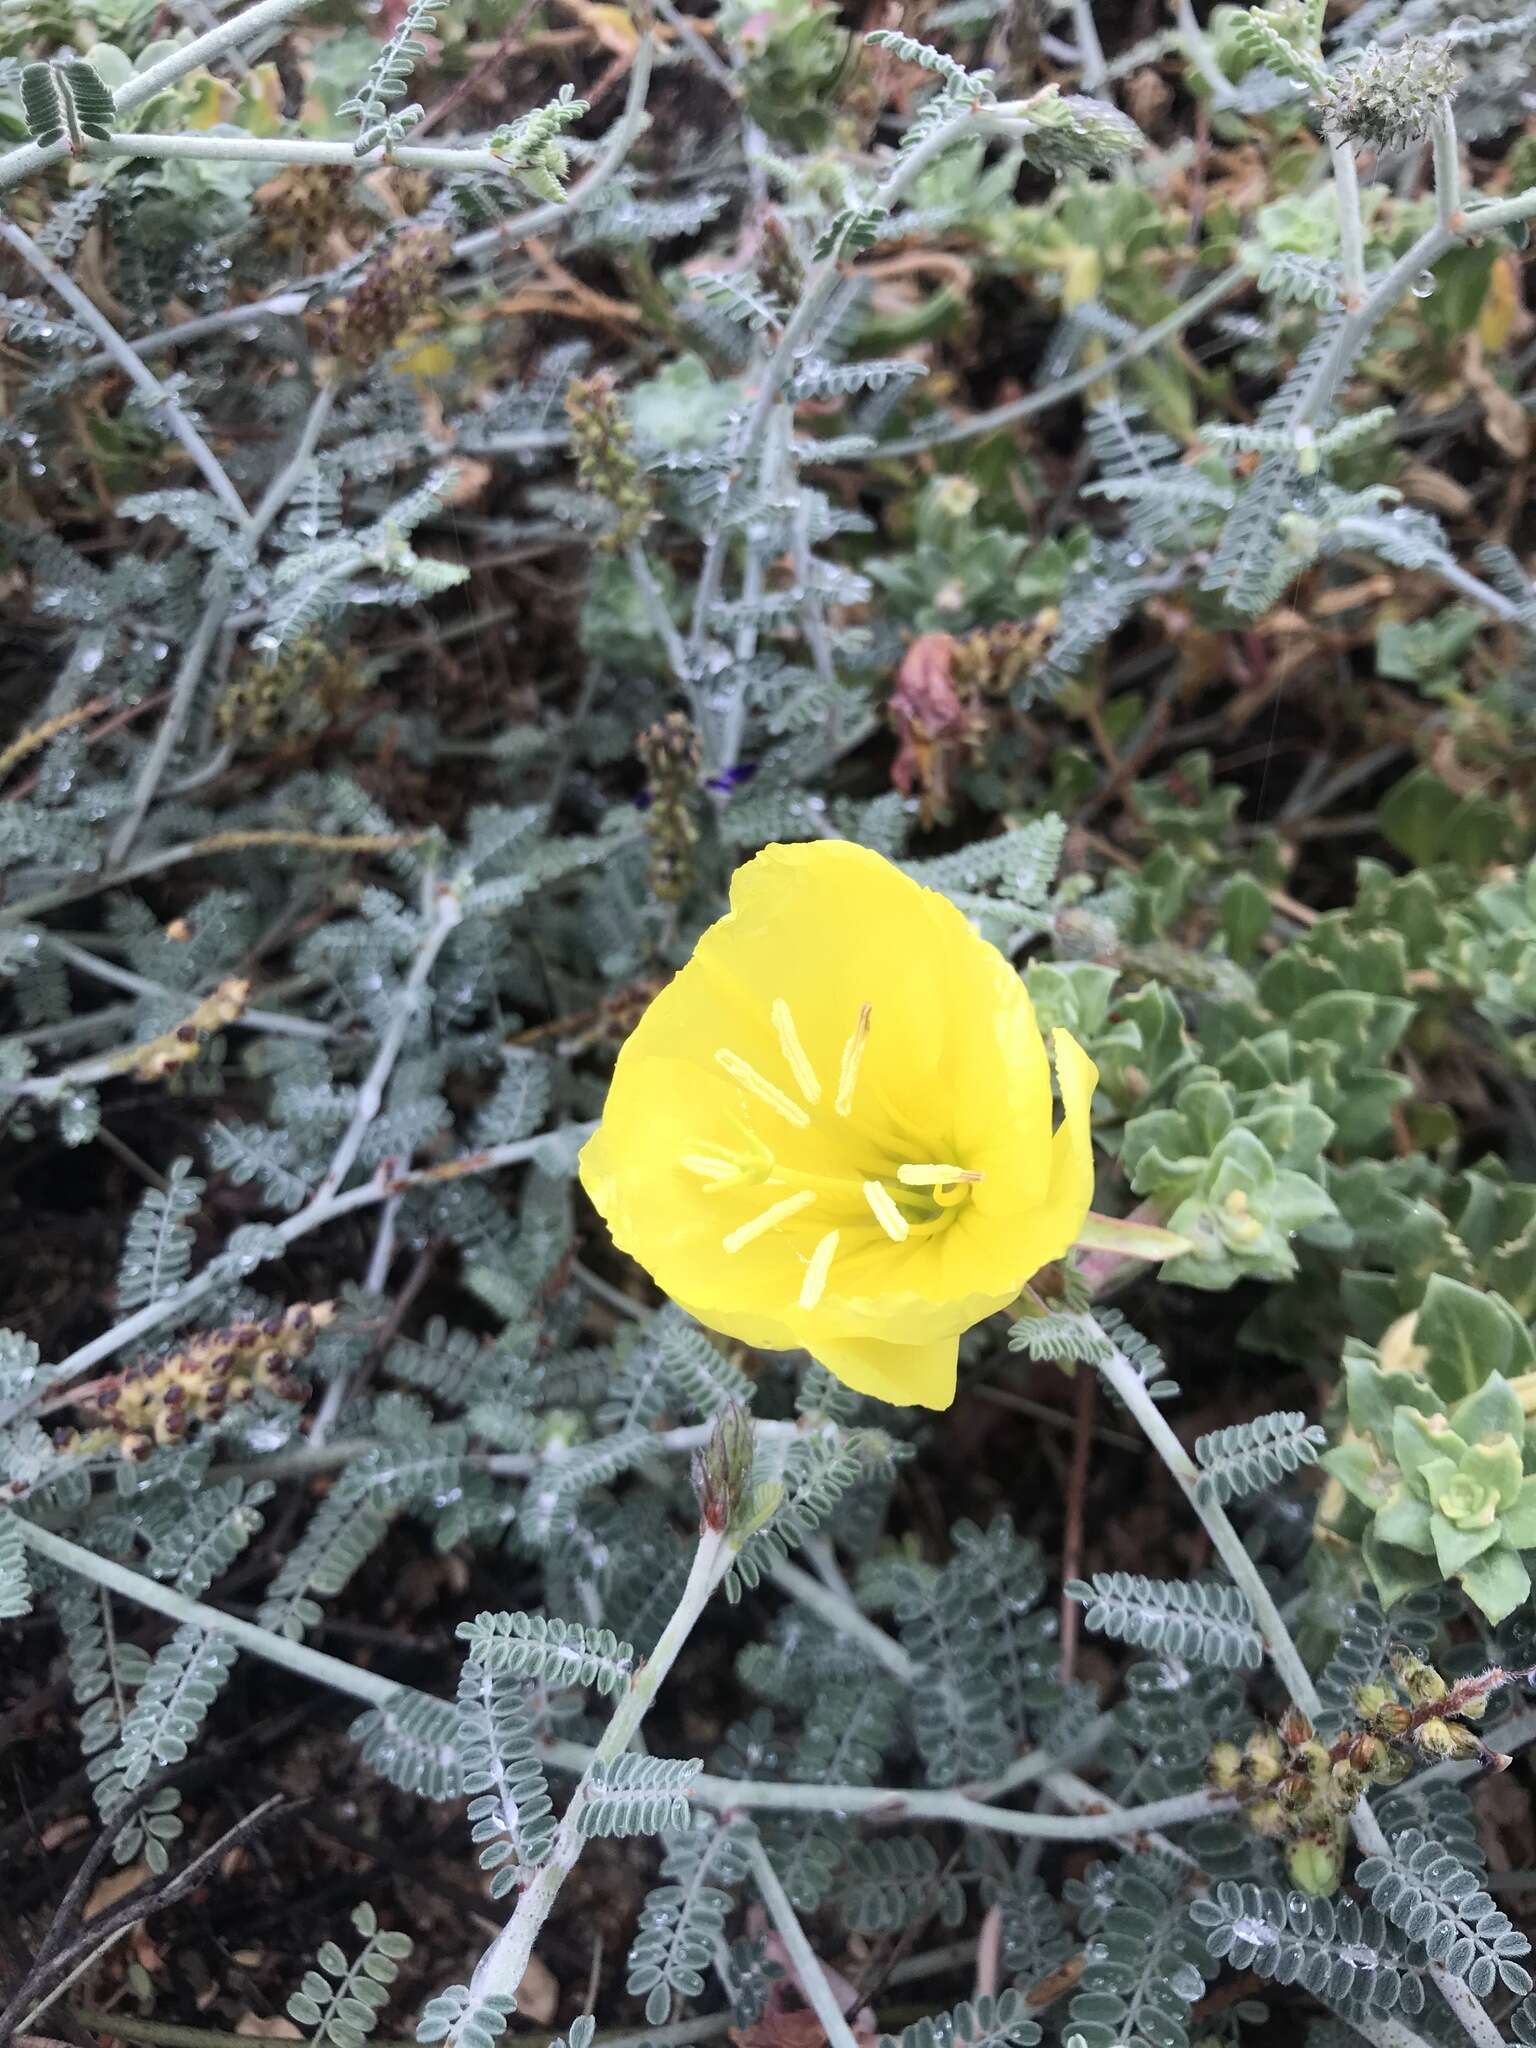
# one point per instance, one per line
(1423, 286)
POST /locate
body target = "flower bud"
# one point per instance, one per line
(1422, 1683)
(1224, 1766)
(1440, 1741)
(1315, 1866)
(1268, 1818)
(1264, 1757)
(1295, 1728)
(722, 1470)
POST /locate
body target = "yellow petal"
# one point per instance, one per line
(906, 1375)
(1071, 1194)
(741, 1063)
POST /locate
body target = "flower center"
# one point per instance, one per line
(900, 1201)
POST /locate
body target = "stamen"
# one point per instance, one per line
(738, 1240)
(707, 1168)
(752, 1080)
(853, 1054)
(933, 1176)
(814, 1285)
(887, 1215)
(794, 1051)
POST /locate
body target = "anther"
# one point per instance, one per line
(793, 1051)
(750, 1079)
(887, 1215)
(814, 1285)
(738, 1240)
(707, 1168)
(853, 1054)
(934, 1176)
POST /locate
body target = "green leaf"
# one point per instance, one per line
(1497, 1582)
(1417, 1446)
(1493, 1411)
(1395, 1573)
(1466, 1334)
(1429, 822)
(1456, 1548)
(1361, 1473)
(1405, 1523)
(1517, 1523)
(1494, 1464)
(1375, 1397)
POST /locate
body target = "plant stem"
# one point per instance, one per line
(1104, 1821)
(252, 149)
(662, 624)
(501, 1969)
(275, 1649)
(183, 690)
(289, 477)
(29, 907)
(446, 912)
(849, 1620)
(803, 1959)
(620, 140)
(1346, 192)
(174, 1306)
(275, 1021)
(1127, 1383)
(1356, 328)
(1283, 1654)
(886, 1803)
(160, 401)
(201, 51)
(1223, 287)
(1447, 154)
(1090, 51)
(1197, 48)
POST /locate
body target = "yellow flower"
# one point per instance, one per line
(832, 1130)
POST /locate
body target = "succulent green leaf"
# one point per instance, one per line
(1456, 1548)
(1466, 1333)
(1405, 1523)
(1395, 1572)
(1497, 1582)
(1493, 1411)
(1417, 1441)
(1517, 1523)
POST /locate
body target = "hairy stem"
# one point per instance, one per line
(1210, 295)
(619, 142)
(1283, 1654)
(157, 1313)
(1128, 1384)
(1447, 152)
(194, 56)
(183, 690)
(160, 401)
(1346, 193)
(331, 1672)
(803, 1959)
(444, 915)
(501, 1969)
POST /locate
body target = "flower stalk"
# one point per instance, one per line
(501, 1969)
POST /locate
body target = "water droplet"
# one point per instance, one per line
(89, 660)
(37, 469)
(1423, 286)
